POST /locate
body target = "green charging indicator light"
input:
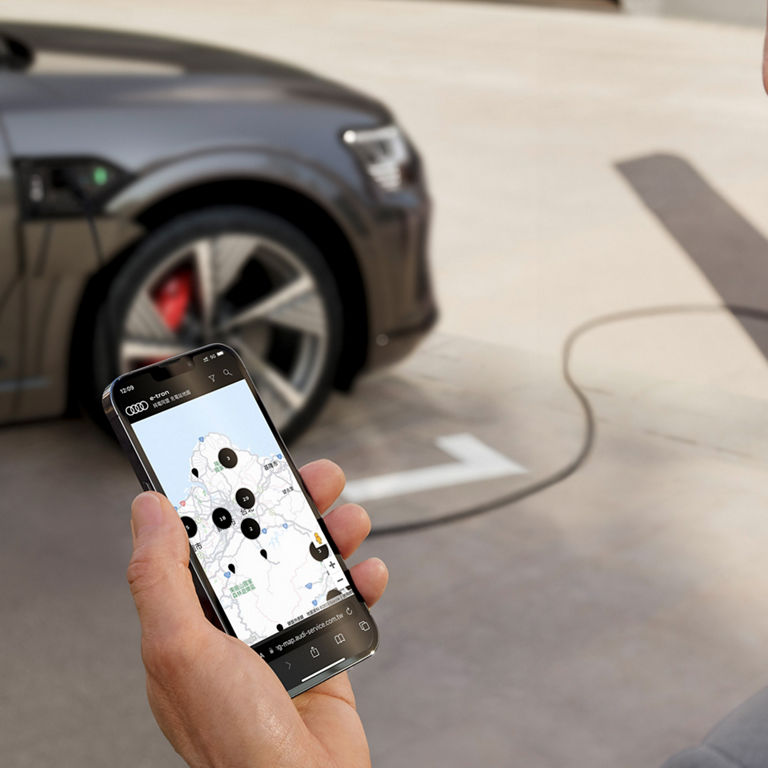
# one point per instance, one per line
(100, 175)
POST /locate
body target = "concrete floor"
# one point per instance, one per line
(609, 621)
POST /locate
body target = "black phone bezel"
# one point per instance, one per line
(123, 429)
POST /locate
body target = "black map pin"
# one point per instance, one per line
(279, 627)
(195, 472)
(221, 518)
(227, 458)
(263, 553)
(245, 498)
(231, 567)
(319, 553)
(250, 528)
(190, 525)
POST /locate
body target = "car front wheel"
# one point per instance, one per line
(234, 275)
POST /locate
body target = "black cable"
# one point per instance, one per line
(42, 251)
(86, 206)
(754, 313)
(100, 260)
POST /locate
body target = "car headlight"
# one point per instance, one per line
(384, 153)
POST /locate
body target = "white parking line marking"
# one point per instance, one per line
(474, 461)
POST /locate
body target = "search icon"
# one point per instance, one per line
(226, 372)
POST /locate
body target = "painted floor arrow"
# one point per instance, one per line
(474, 461)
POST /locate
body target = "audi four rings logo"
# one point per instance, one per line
(137, 408)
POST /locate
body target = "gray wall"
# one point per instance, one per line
(750, 12)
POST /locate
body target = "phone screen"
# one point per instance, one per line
(270, 566)
(250, 526)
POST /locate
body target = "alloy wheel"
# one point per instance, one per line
(244, 290)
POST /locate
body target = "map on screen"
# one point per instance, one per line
(248, 522)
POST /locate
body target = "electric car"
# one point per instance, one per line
(157, 194)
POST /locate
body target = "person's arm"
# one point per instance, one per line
(740, 740)
(215, 699)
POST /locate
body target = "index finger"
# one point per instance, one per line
(324, 480)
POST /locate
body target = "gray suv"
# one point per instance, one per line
(156, 195)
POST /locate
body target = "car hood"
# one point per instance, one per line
(186, 55)
(201, 68)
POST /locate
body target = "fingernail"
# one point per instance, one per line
(146, 511)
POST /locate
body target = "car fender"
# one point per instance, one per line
(326, 190)
(347, 205)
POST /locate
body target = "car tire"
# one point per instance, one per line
(276, 303)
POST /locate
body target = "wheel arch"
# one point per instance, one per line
(298, 209)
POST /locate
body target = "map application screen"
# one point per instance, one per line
(248, 522)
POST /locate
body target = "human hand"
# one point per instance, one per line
(215, 699)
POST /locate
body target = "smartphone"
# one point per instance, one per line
(264, 566)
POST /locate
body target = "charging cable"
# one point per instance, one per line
(588, 415)
(70, 177)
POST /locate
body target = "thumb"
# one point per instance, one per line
(158, 573)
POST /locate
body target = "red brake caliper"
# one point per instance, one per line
(173, 296)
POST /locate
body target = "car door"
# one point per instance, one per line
(11, 287)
